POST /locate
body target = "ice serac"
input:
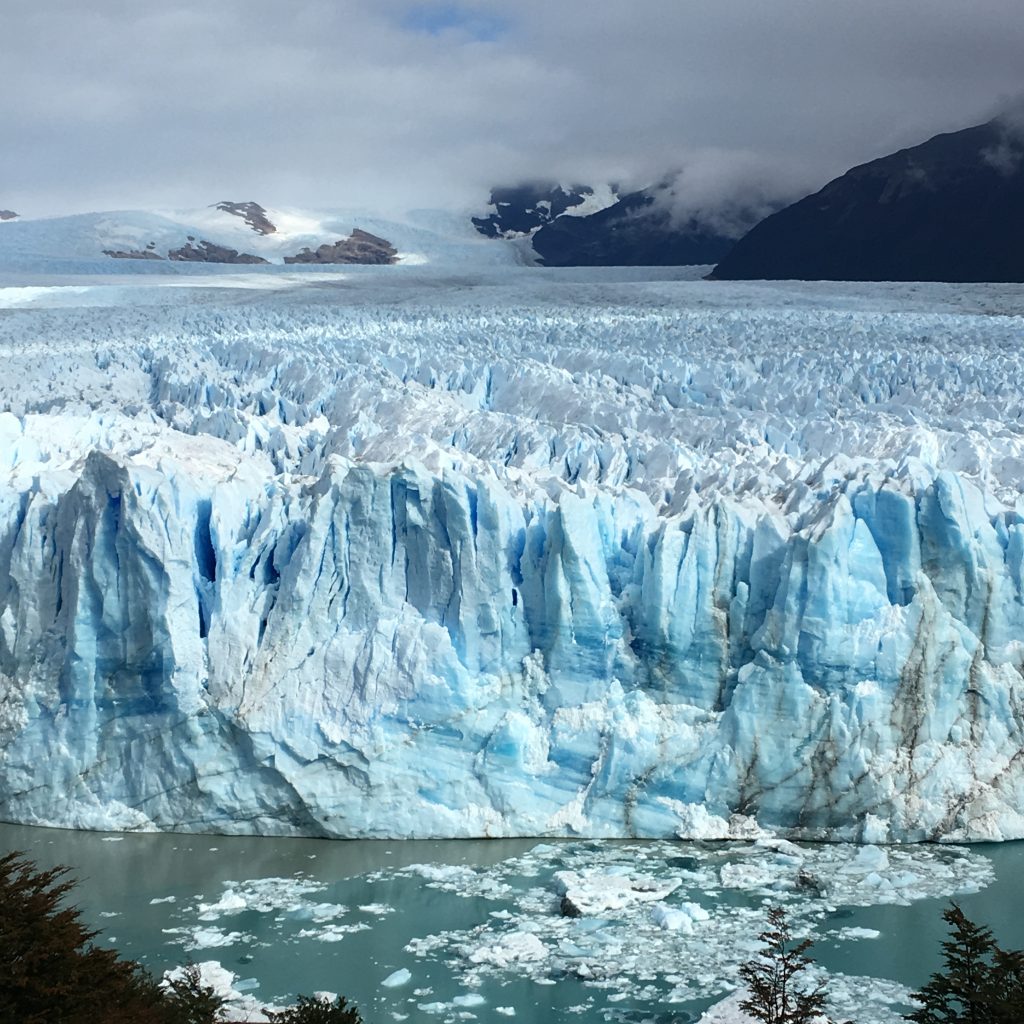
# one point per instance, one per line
(385, 598)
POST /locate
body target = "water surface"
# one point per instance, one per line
(304, 915)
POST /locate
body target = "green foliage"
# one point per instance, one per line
(774, 979)
(51, 973)
(980, 983)
(191, 1001)
(318, 1011)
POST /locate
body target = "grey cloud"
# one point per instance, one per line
(395, 104)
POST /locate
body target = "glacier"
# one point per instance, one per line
(427, 552)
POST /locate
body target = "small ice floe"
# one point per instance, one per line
(400, 977)
(510, 948)
(591, 894)
(727, 1011)
(319, 912)
(332, 932)
(678, 918)
(640, 910)
(212, 938)
(212, 975)
(162, 899)
(230, 903)
(845, 934)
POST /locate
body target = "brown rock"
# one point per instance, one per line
(132, 254)
(360, 247)
(252, 213)
(210, 252)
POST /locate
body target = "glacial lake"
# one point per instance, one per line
(478, 924)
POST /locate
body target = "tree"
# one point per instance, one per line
(51, 973)
(318, 1011)
(980, 983)
(774, 978)
(192, 1001)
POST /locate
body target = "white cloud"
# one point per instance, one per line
(388, 103)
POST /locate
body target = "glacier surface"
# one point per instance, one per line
(411, 552)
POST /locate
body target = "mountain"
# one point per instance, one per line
(638, 230)
(176, 241)
(522, 209)
(950, 209)
(583, 226)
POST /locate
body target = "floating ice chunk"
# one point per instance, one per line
(513, 947)
(857, 933)
(212, 975)
(230, 903)
(400, 977)
(592, 894)
(678, 918)
(869, 859)
(469, 999)
(332, 932)
(752, 876)
(210, 938)
(727, 1011)
(378, 909)
(319, 911)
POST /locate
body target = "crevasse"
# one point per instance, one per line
(468, 589)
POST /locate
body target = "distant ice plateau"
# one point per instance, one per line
(420, 552)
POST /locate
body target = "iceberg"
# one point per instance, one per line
(539, 554)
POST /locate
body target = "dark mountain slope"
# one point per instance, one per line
(951, 209)
(637, 231)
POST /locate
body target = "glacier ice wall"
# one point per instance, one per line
(522, 556)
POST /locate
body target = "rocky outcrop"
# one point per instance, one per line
(149, 253)
(8, 215)
(210, 252)
(948, 210)
(252, 213)
(359, 247)
(520, 209)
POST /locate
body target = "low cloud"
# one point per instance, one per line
(393, 104)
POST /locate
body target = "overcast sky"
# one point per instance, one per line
(394, 104)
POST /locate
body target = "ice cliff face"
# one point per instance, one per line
(562, 557)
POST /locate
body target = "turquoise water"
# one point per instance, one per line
(317, 937)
